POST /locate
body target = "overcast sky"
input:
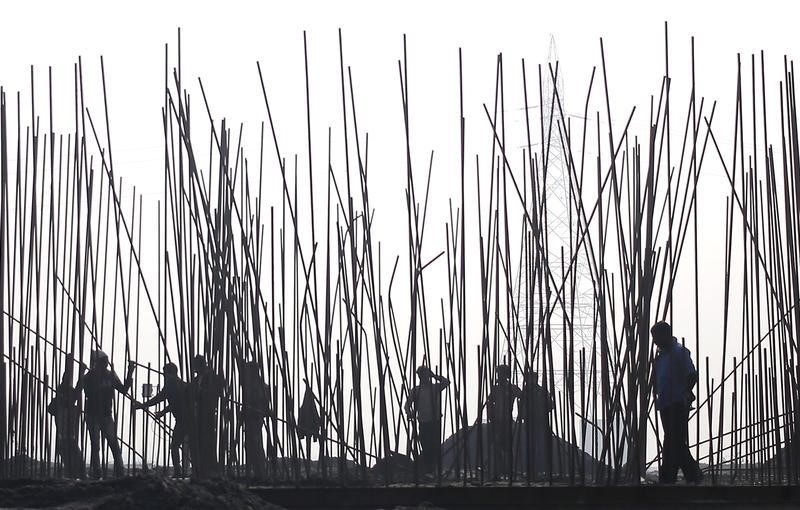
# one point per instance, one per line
(221, 42)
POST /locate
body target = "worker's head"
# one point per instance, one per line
(662, 333)
(171, 370)
(198, 363)
(250, 372)
(503, 372)
(424, 373)
(65, 384)
(99, 360)
(532, 377)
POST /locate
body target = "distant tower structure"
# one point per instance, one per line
(561, 226)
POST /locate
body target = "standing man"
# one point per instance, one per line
(536, 406)
(500, 405)
(675, 376)
(175, 393)
(204, 392)
(256, 407)
(67, 416)
(98, 385)
(425, 400)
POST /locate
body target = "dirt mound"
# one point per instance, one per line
(137, 492)
(397, 468)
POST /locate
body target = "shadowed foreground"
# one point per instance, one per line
(152, 492)
(139, 492)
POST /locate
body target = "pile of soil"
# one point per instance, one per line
(136, 492)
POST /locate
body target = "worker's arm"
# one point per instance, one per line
(444, 382)
(52, 407)
(78, 388)
(123, 388)
(489, 399)
(160, 414)
(551, 399)
(691, 377)
(220, 386)
(157, 398)
(267, 401)
(412, 395)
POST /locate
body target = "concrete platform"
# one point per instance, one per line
(648, 496)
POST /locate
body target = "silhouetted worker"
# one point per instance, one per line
(256, 407)
(500, 403)
(175, 394)
(674, 378)
(98, 385)
(425, 400)
(205, 390)
(535, 407)
(67, 416)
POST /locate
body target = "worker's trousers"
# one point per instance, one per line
(675, 452)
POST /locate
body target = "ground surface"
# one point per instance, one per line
(152, 492)
(137, 492)
(549, 497)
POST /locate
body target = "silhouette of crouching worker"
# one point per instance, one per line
(425, 401)
(175, 394)
(98, 385)
(67, 416)
(675, 376)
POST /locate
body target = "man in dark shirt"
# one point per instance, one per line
(205, 391)
(256, 406)
(675, 376)
(98, 385)
(425, 402)
(175, 394)
(536, 405)
(67, 416)
(500, 405)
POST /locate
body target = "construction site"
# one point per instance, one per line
(291, 322)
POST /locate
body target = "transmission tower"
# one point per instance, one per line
(560, 234)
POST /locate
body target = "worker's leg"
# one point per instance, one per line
(534, 451)
(425, 448)
(76, 467)
(436, 445)
(67, 446)
(208, 442)
(506, 446)
(689, 466)
(93, 427)
(669, 464)
(70, 452)
(193, 431)
(178, 436)
(186, 454)
(109, 430)
(494, 449)
(429, 441)
(498, 440)
(542, 451)
(61, 452)
(254, 446)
